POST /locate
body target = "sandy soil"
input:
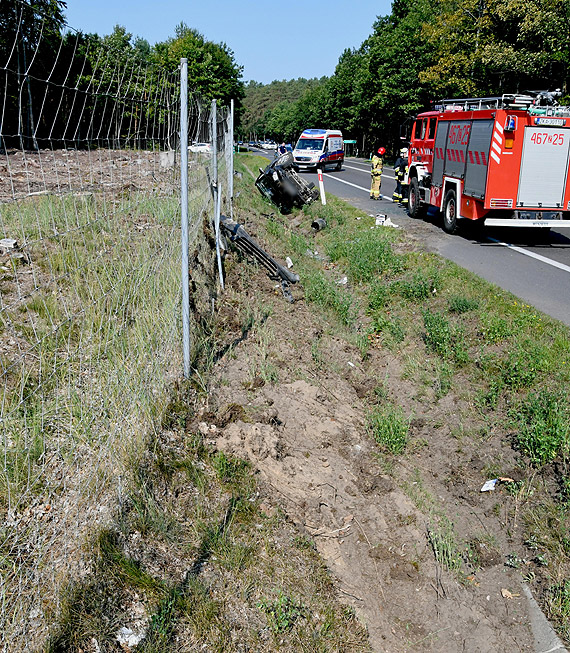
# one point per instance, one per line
(306, 436)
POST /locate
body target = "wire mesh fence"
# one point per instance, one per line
(90, 335)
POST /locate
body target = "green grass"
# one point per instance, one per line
(326, 294)
(542, 423)
(389, 427)
(365, 254)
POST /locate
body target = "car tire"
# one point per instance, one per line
(415, 207)
(339, 166)
(450, 224)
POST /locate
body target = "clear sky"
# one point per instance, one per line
(271, 39)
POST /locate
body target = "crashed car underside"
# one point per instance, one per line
(283, 186)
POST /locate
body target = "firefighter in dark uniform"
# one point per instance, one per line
(401, 171)
(376, 174)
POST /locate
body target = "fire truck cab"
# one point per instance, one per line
(502, 160)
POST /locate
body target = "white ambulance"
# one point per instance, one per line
(319, 148)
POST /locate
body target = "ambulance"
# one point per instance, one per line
(319, 148)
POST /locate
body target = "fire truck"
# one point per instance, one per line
(500, 160)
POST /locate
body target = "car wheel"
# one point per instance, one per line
(415, 207)
(450, 212)
(339, 165)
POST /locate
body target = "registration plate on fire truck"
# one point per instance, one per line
(551, 122)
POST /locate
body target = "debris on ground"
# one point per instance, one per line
(247, 245)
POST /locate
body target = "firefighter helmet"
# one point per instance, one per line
(381, 151)
(404, 151)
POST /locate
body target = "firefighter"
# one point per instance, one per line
(376, 174)
(401, 171)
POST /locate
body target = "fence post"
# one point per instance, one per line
(217, 191)
(184, 213)
(231, 166)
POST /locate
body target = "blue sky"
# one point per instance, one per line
(280, 39)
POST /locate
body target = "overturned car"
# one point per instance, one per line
(283, 186)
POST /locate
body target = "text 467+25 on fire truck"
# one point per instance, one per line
(502, 160)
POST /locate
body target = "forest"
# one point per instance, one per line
(65, 88)
(425, 50)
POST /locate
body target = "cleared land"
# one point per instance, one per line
(316, 486)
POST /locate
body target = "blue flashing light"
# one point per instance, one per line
(511, 124)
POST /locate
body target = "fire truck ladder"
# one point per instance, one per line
(477, 104)
(538, 103)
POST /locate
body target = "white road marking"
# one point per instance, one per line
(538, 257)
(367, 190)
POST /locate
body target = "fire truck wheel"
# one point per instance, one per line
(450, 212)
(415, 208)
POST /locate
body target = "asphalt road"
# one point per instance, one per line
(532, 264)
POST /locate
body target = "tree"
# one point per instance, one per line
(487, 47)
(28, 32)
(212, 69)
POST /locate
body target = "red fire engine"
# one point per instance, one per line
(502, 160)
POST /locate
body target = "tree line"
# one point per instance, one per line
(425, 50)
(64, 88)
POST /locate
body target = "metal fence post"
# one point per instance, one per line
(217, 192)
(231, 165)
(184, 213)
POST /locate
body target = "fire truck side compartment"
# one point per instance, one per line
(455, 155)
(439, 153)
(476, 172)
(544, 167)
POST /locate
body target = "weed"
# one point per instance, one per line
(442, 540)
(275, 228)
(377, 295)
(364, 254)
(162, 624)
(514, 561)
(523, 364)
(229, 470)
(461, 304)
(441, 338)
(442, 379)
(393, 325)
(322, 291)
(304, 543)
(494, 329)
(389, 427)
(282, 612)
(543, 426)
(437, 333)
(417, 287)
